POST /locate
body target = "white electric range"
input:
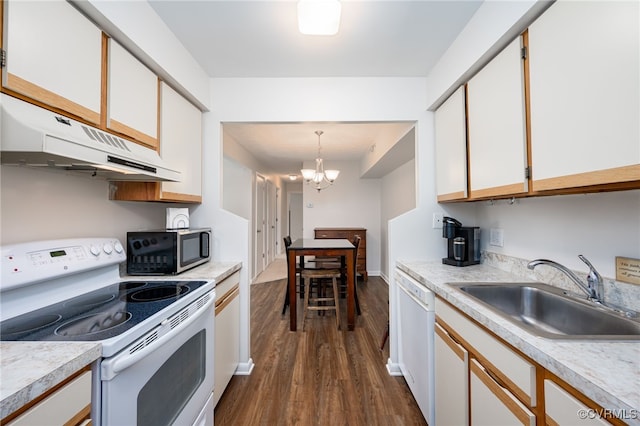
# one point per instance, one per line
(156, 335)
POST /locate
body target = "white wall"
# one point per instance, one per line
(236, 193)
(350, 202)
(42, 205)
(599, 226)
(398, 196)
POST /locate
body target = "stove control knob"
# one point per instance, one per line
(118, 247)
(108, 248)
(95, 251)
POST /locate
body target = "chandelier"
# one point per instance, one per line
(319, 178)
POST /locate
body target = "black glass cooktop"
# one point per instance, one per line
(97, 315)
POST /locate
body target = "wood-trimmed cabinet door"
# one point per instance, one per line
(180, 148)
(451, 148)
(132, 100)
(181, 144)
(561, 408)
(452, 379)
(584, 63)
(53, 56)
(492, 404)
(497, 126)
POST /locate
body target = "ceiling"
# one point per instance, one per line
(284, 146)
(260, 39)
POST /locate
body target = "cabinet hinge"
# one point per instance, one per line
(523, 52)
(3, 58)
(527, 172)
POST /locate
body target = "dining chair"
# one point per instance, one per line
(343, 279)
(300, 289)
(287, 243)
(319, 275)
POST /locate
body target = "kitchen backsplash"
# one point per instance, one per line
(615, 292)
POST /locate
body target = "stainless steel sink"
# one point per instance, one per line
(547, 311)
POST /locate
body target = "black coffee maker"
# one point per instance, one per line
(463, 244)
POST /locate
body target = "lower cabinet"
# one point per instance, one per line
(227, 333)
(452, 390)
(563, 409)
(69, 405)
(494, 405)
(482, 380)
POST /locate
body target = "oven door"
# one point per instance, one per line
(167, 382)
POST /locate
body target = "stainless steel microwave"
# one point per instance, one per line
(167, 252)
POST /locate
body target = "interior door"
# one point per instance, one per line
(260, 224)
(270, 206)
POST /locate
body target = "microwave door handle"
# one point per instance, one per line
(111, 368)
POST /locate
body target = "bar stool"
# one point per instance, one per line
(319, 274)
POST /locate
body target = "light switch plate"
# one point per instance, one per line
(496, 237)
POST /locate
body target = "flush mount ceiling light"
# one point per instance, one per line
(319, 178)
(319, 17)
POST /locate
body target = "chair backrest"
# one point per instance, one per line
(356, 243)
(287, 243)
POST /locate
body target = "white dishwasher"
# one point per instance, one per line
(416, 331)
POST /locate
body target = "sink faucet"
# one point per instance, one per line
(594, 288)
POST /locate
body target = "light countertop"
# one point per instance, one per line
(608, 372)
(214, 271)
(29, 369)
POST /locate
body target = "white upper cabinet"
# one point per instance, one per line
(181, 145)
(585, 94)
(451, 148)
(53, 56)
(497, 129)
(132, 97)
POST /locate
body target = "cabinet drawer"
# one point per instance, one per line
(61, 406)
(563, 409)
(492, 404)
(334, 234)
(227, 285)
(517, 373)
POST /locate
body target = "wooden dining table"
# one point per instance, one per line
(322, 247)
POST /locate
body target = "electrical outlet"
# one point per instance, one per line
(496, 237)
(437, 221)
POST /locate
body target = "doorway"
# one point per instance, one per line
(259, 259)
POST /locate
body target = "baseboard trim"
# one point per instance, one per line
(393, 368)
(245, 368)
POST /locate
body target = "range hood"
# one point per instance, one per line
(35, 137)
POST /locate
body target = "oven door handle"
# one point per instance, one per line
(114, 366)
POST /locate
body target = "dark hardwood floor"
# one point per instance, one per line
(320, 376)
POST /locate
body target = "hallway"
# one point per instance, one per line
(321, 376)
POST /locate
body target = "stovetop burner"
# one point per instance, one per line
(97, 315)
(92, 324)
(157, 293)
